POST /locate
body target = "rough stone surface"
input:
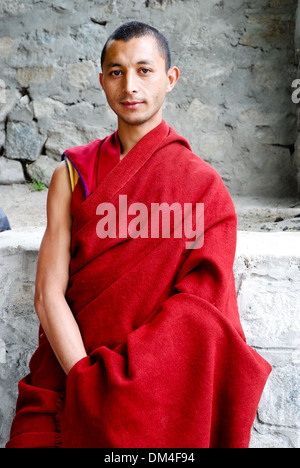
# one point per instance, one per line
(11, 172)
(233, 102)
(42, 170)
(23, 142)
(2, 135)
(18, 323)
(268, 285)
(297, 145)
(9, 100)
(265, 264)
(2, 92)
(6, 46)
(25, 76)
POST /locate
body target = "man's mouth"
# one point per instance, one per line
(132, 104)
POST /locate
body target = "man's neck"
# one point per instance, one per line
(130, 135)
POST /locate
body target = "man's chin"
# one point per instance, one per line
(134, 120)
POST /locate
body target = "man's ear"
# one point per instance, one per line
(101, 79)
(173, 77)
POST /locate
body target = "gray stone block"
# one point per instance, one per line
(11, 172)
(42, 169)
(23, 141)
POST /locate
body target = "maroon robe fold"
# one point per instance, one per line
(168, 365)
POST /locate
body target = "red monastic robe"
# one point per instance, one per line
(168, 365)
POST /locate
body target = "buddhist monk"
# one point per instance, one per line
(140, 344)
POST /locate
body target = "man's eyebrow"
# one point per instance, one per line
(113, 64)
(140, 62)
(145, 62)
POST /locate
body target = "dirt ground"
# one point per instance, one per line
(267, 215)
(22, 206)
(27, 208)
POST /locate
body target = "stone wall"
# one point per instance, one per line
(18, 321)
(297, 96)
(233, 102)
(268, 286)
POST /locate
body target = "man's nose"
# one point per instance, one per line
(130, 83)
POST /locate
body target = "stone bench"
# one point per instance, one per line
(267, 270)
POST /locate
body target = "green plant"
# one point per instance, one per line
(37, 184)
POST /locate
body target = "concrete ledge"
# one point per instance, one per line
(28, 239)
(270, 244)
(256, 244)
(267, 271)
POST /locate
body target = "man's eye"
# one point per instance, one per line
(145, 71)
(116, 73)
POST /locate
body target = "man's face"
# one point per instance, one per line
(135, 80)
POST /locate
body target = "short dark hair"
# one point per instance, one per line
(133, 29)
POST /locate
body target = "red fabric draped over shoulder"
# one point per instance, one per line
(168, 365)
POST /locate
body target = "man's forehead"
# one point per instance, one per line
(143, 49)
